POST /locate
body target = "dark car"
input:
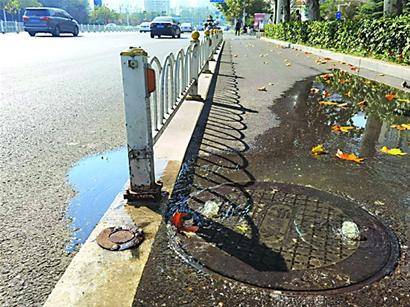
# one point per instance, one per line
(49, 20)
(165, 25)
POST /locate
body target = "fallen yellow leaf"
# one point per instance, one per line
(348, 156)
(328, 103)
(318, 150)
(401, 127)
(393, 151)
(242, 228)
(262, 89)
(337, 128)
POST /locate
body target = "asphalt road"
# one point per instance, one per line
(60, 99)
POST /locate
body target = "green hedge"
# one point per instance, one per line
(383, 38)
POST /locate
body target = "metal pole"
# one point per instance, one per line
(138, 125)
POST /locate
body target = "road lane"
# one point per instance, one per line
(60, 99)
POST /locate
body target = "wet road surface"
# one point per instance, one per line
(60, 100)
(250, 136)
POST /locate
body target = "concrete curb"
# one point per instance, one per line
(97, 277)
(381, 67)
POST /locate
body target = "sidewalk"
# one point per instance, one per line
(249, 138)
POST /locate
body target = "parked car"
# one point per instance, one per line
(186, 27)
(165, 25)
(49, 20)
(145, 27)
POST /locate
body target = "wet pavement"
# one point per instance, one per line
(249, 137)
(97, 180)
(61, 100)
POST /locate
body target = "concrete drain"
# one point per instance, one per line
(288, 237)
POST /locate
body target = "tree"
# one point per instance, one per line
(77, 8)
(104, 15)
(372, 9)
(328, 9)
(14, 6)
(234, 8)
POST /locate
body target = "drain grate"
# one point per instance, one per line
(288, 237)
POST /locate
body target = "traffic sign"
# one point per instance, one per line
(217, 1)
(338, 15)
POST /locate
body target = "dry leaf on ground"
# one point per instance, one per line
(318, 150)
(393, 151)
(337, 128)
(348, 156)
(390, 96)
(262, 89)
(401, 127)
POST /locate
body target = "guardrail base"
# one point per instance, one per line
(195, 98)
(152, 193)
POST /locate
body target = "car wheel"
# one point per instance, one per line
(159, 36)
(173, 35)
(32, 33)
(152, 35)
(56, 32)
(179, 35)
(76, 31)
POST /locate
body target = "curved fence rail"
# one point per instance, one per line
(175, 77)
(153, 92)
(16, 27)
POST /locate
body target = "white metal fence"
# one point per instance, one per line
(150, 103)
(16, 27)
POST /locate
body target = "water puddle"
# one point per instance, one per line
(97, 180)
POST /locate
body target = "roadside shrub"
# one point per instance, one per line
(383, 38)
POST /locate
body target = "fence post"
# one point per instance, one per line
(138, 125)
(193, 91)
(207, 46)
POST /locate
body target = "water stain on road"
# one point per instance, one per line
(307, 114)
(97, 179)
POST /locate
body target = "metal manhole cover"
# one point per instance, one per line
(288, 237)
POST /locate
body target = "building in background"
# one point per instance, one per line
(157, 6)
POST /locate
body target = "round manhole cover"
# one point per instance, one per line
(288, 237)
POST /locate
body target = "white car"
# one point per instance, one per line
(186, 27)
(145, 27)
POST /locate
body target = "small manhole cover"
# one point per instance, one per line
(288, 237)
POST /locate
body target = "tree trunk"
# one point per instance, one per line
(399, 7)
(279, 11)
(286, 10)
(388, 7)
(313, 7)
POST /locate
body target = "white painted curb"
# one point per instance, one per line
(381, 67)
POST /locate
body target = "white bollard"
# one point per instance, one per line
(207, 43)
(193, 91)
(138, 124)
